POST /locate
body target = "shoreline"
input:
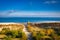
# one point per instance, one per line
(30, 22)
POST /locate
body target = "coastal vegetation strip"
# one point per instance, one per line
(30, 31)
(12, 31)
(44, 31)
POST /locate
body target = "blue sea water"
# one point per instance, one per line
(30, 19)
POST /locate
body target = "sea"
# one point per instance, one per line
(28, 19)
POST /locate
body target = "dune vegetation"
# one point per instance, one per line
(31, 31)
(40, 33)
(13, 34)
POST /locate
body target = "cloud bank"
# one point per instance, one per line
(12, 13)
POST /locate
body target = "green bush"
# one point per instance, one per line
(13, 34)
(5, 30)
(7, 38)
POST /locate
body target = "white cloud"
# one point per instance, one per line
(54, 2)
(29, 14)
(50, 2)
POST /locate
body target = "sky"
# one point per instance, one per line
(29, 8)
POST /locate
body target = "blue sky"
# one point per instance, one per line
(40, 8)
(31, 5)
